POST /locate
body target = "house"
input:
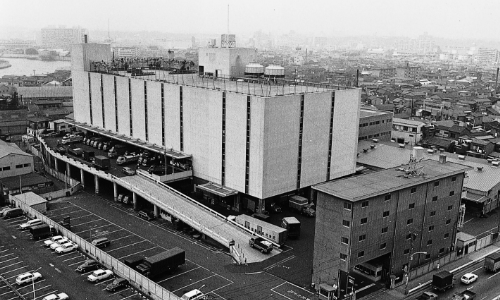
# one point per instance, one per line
(406, 131)
(14, 161)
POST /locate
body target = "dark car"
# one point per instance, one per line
(118, 283)
(88, 265)
(146, 215)
(61, 150)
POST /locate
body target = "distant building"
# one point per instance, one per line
(126, 51)
(409, 72)
(375, 125)
(61, 37)
(383, 73)
(229, 62)
(487, 56)
(372, 224)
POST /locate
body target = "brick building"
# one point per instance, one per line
(371, 224)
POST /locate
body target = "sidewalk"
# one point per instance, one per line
(419, 282)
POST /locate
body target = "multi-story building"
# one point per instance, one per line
(61, 37)
(375, 125)
(374, 223)
(125, 51)
(258, 139)
(406, 131)
(409, 72)
(487, 56)
(383, 73)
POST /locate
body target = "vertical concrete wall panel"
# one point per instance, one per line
(257, 144)
(95, 85)
(235, 137)
(138, 113)
(109, 102)
(81, 104)
(154, 112)
(172, 116)
(123, 105)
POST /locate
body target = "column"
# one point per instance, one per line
(156, 211)
(262, 205)
(96, 180)
(134, 200)
(68, 170)
(82, 178)
(115, 191)
(55, 164)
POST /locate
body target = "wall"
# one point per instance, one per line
(172, 116)
(369, 129)
(110, 109)
(123, 105)
(81, 106)
(154, 112)
(138, 111)
(97, 112)
(12, 160)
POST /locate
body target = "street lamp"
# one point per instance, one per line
(409, 266)
(33, 282)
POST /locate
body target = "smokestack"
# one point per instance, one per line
(418, 152)
(442, 158)
(85, 38)
(357, 78)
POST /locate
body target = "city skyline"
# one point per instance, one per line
(447, 19)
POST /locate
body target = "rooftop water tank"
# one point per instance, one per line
(254, 69)
(274, 71)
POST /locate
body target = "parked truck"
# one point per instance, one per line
(301, 205)
(125, 159)
(465, 295)
(101, 162)
(492, 262)
(118, 150)
(71, 139)
(41, 231)
(88, 155)
(442, 281)
(292, 226)
(161, 263)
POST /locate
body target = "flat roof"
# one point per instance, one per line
(30, 198)
(382, 182)
(217, 189)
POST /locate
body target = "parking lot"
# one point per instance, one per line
(58, 271)
(125, 244)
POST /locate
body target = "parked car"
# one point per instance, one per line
(99, 275)
(28, 278)
(146, 215)
(427, 296)
(4, 209)
(65, 248)
(468, 278)
(128, 171)
(118, 283)
(58, 244)
(61, 150)
(60, 296)
(126, 199)
(88, 265)
(101, 242)
(30, 223)
(261, 244)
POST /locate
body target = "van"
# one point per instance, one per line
(101, 242)
(13, 213)
(146, 215)
(193, 295)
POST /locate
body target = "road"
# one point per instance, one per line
(486, 287)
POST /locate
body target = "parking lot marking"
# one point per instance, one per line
(106, 281)
(71, 258)
(6, 255)
(9, 259)
(7, 293)
(52, 210)
(192, 283)
(14, 270)
(127, 245)
(80, 262)
(118, 238)
(129, 296)
(46, 294)
(66, 254)
(77, 232)
(87, 223)
(4, 250)
(79, 217)
(57, 270)
(177, 275)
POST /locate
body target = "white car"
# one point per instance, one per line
(61, 296)
(30, 223)
(28, 278)
(99, 275)
(65, 248)
(468, 278)
(58, 244)
(52, 240)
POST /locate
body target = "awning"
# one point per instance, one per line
(475, 198)
(217, 189)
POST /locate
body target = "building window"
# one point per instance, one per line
(382, 246)
(346, 223)
(343, 256)
(348, 205)
(413, 190)
(450, 207)
(407, 251)
(454, 178)
(441, 251)
(427, 256)
(410, 221)
(345, 240)
(19, 166)
(429, 242)
(385, 214)
(452, 193)
(387, 197)
(362, 237)
(361, 253)
(26, 165)
(385, 229)
(364, 221)
(411, 206)
(446, 235)
(433, 213)
(436, 183)
(448, 221)
(431, 228)
(435, 198)
(364, 204)
(6, 168)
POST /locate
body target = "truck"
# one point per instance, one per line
(75, 151)
(465, 295)
(71, 139)
(442, 281)
(88, 155)
(292, 226)
(301, 205)
(492, 262)
(161, 263)
(125, 159)
(101, 162)
(118, 150)
(41, 231)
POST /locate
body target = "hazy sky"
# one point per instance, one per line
(442, 18)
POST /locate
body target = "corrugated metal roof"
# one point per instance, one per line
(45, 91)
(10, 148)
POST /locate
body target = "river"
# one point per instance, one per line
(21, 66)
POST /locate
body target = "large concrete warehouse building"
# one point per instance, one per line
(261, 140)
